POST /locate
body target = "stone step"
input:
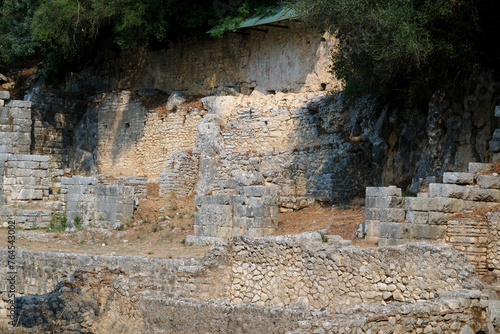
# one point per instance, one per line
(458, 178)
(476, 167)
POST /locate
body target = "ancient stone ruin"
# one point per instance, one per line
(249, 138)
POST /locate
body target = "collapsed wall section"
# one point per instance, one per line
(295, 141)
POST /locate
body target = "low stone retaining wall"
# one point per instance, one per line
(406, 288)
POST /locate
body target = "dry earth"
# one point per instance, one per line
(161, 224)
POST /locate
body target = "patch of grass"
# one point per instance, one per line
(57, 222)
(324, 238)
(78, 223)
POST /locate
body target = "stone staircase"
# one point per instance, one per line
(451, 212)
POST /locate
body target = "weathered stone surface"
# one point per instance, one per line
(489, 181)
(4, 95)
(383, 191)
(458, 178)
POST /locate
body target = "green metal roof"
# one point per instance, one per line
(281, 13)
(273, 15)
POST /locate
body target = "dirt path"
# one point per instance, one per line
(161, 225)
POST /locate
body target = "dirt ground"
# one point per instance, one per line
(161, 224)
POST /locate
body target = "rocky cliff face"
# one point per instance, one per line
(300, 136)
(453, 133)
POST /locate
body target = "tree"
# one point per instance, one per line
(402, 51)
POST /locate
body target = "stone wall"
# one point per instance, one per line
(252, 210)
(311, 285)
(29, 189)
(127, 139)
(296, 141)
(444, 213)
(292, 59)
(15, 125)
(94, 204)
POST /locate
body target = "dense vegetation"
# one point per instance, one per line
(399, 50)
(404, 50)
(65, 32)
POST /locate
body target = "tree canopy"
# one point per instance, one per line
(68, 31)
(404, 50)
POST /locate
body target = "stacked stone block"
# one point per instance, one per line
(429, 217)
(114, 203)
(384, 213)
(105, 205)
(252, 211)
(471, 237)
(181, 173)
(15, 125)
(493, 253)
(29, 189)
(80, 198)
(28, 177)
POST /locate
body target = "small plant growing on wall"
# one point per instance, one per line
(78, 223)
(57, 222)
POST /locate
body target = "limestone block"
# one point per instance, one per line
(217, 199)
(494, 145)
(385, 202)
(19, 104)
(437, 218)
(497, 111)
(458, 178)
(2, 103)
(217, 209)
(489, 181)
(475, 167)
(371, 230)
(484, 195)
(385, 214)
(417, 217)
(30, 194)
(4, 95)
(383, 191)
(395, 230)
(256, 191)
(417, 203)
(249, 179)
(449, 190)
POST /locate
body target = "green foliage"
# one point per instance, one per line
(403, 50)
(78, 223)
(16, 39)
(324, 238)
(57, 222)
(230, 14)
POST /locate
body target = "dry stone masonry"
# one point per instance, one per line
(251, 211)
(93, 204)
(432, 216)
(280, 284)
